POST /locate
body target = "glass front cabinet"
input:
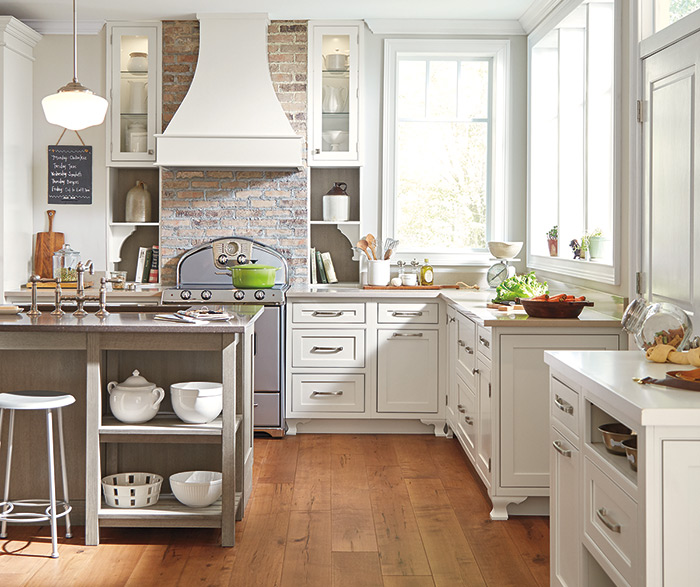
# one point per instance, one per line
(134, 78)
(334, 93)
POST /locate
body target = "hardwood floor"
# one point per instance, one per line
(327, 510)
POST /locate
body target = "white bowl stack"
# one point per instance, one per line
(196, 489)
(197, 402)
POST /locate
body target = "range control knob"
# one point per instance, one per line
(259, 295)
(206, 295)
(241, 259)
(185, 294)
(239, 294)
(222, 259)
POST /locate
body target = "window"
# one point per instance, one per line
(572, 142)
(444, 141)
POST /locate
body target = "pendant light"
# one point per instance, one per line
(74, 106)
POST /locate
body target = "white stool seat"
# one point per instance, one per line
(34, 400)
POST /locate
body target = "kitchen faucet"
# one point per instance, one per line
(80, 298)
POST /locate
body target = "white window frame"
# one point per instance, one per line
(499, 51)
(592, 271)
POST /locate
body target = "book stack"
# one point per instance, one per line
(321, 265)
(147, 265)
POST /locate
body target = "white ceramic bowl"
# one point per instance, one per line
(504, 250)
(196, 402)
(196, 489)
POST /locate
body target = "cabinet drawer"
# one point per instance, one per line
(328, 393)
(344, 313)
(564, 403)
(610, 520)
(403, 313)
(466, 417)
(466, 349)
(326, 348)
(483, 341)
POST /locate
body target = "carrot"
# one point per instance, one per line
(557, 297)
(581, 299)
(542, 298)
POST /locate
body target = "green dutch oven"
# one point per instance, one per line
(253, 276)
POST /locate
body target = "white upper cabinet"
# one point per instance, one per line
(334, 93)
(134, 80)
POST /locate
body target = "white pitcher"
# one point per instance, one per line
(138, 97)
(334, 99)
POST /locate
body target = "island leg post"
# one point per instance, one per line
(92, 441)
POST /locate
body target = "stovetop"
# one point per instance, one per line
(219, 294)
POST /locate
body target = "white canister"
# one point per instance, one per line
(336, 61)
(379, 272)
(138, 62)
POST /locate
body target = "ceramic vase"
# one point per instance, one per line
(138, 203)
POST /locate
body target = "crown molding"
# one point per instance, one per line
(392, 26)
(19, 30)
(536, 13)
(65, 27)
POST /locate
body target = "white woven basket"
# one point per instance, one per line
(131, 490)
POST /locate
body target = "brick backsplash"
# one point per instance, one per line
(199, 205)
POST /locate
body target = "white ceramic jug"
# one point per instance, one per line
(138, 97)
(334, 98)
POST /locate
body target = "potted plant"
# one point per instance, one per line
(596, 244)
(553, 241)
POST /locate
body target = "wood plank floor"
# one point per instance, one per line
(327, 510)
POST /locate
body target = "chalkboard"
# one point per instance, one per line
(70, 174)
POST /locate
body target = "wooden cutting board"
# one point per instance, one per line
(47, 243)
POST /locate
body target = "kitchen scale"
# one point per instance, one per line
(500, 271)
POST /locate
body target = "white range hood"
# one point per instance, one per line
(231, 116)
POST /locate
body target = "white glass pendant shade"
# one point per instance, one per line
(74, 108)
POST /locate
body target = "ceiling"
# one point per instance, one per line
(94, 10)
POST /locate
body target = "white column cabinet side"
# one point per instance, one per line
(451, 399)
(407, 373)
(134, 88)
(524, 403)
(17, 42)
(484, 443)
(334, 92)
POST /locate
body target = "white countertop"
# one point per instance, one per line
(470, 302)
(608, 375)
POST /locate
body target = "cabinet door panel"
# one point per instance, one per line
(466, 352)
(564, 508)
(466, 418)
(524, 405)
(407, 375)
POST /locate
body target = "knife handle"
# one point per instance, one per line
(51, 214)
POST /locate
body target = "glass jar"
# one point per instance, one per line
(65, 264)
(658, 323)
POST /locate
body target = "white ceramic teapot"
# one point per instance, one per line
(135, 400)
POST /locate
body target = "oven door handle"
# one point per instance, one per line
(255, 344)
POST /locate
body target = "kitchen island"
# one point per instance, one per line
(81, 355)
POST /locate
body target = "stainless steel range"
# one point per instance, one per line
(202, 278)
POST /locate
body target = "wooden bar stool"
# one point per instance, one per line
(49, 401)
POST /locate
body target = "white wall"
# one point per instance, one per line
(83, 225)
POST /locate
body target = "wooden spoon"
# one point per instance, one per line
(364, 245)
(372, 242)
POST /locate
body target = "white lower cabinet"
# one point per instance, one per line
(565, 471)
(407, 375)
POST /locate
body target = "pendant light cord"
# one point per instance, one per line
(75, 42)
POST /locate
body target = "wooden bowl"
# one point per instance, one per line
(544, 309)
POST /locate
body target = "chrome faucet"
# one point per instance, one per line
(80, 298)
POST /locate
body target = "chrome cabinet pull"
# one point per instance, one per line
(565, 452)
(326, 349)
(327, 313)
(317, 393)
(563, 405)
(475, 371)
(461, 408)
(603, 517)
(485, 342)
(469, 420)
(406, 335)
(255, 405)
(404, 314)
(469, 349)
(461, 342)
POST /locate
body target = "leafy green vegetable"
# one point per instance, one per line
(520, 286)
